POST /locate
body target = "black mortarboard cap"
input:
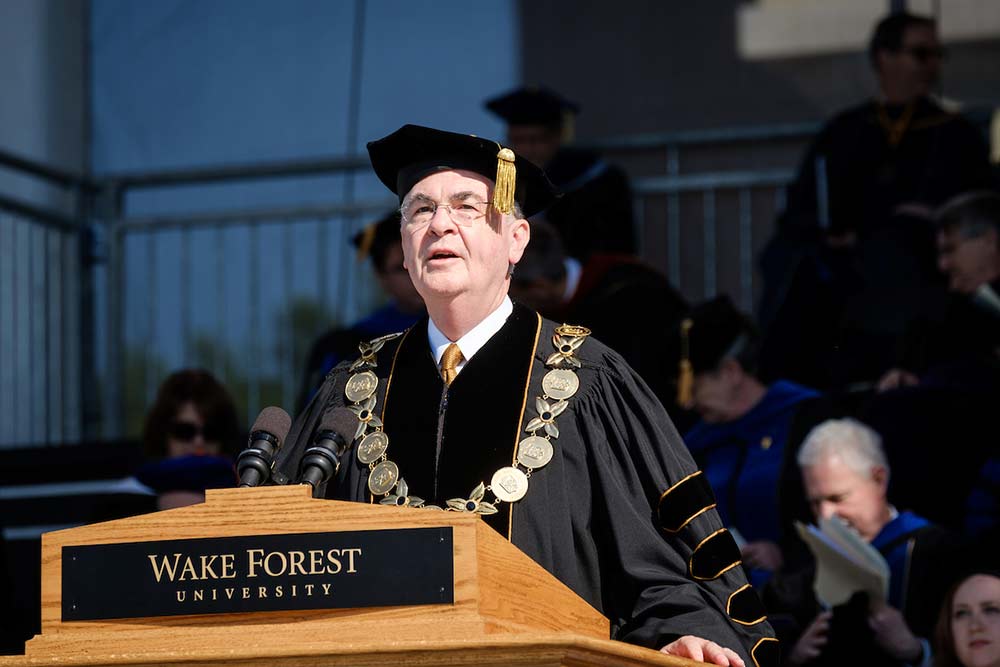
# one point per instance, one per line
(533, 105)
(412, 153)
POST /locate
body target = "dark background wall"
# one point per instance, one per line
(650, 65)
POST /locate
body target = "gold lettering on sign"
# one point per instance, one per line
(202, 568)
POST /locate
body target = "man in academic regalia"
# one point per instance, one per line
(603, 294)
(746, 432)
(846, 476)
(947, 385)
(594, 212)
(852, 262)
(484, 391)
(379, 242)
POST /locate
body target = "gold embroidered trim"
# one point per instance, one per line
(693, 516)
(520, 420)
(729, 602)
(753, 651)
(695, 552)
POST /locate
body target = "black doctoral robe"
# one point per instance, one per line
(853, 304)
(594, 213)
(595, 515)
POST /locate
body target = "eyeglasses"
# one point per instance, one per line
(419, 212)
(925, 53)
(188, 431)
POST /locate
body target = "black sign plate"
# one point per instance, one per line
(368, 568)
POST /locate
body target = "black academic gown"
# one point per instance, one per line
(593, 516)
(612, 287)
(853, 304)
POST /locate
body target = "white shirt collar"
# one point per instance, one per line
(470, 343)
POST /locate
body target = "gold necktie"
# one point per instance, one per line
(449, 363)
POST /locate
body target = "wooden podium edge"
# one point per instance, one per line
(563, 650)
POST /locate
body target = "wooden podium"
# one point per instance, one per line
(505, 609)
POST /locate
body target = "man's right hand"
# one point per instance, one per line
(812, 641)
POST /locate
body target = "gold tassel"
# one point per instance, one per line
(503, 193)
(367, 239)
(685, 378)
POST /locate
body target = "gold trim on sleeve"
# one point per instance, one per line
(729, 602)
(690, 518)
(695, 553)
(753, 651)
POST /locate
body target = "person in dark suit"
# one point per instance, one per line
(851, 265)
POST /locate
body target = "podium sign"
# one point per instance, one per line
(198, 586)
(332, 570)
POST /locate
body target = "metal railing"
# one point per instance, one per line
(242, 290)
(46, 377)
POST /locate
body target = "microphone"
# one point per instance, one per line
(268, 433)
(322, 460)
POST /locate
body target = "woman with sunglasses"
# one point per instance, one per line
(191, 435)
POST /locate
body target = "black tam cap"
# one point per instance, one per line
(718, 331)
(412, 153)
(533, 105)
(713, 331)
(375, 239)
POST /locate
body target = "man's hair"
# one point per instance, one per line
(971, 214)
(888, 34)
(543, 258)
(856, 444)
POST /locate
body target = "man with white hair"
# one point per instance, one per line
(845, 475)
(482, 393)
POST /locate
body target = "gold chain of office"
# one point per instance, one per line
(509, 483)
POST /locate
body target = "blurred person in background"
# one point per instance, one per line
(845, 474)
(600, 294)
(192, 434)
(745, 430)
(852, 262)
(968, 628)
(380, 242)
(594, 212)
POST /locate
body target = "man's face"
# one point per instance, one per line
(446, 260)
(395, 281)
(536, 143)
(836, 490)
(714, 393)
(913, 70)
(968, 262)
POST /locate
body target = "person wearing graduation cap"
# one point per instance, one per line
(459, 409)
(594, 213)
(746, 430)
(379, 242)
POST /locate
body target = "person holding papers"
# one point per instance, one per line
(845, 474)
